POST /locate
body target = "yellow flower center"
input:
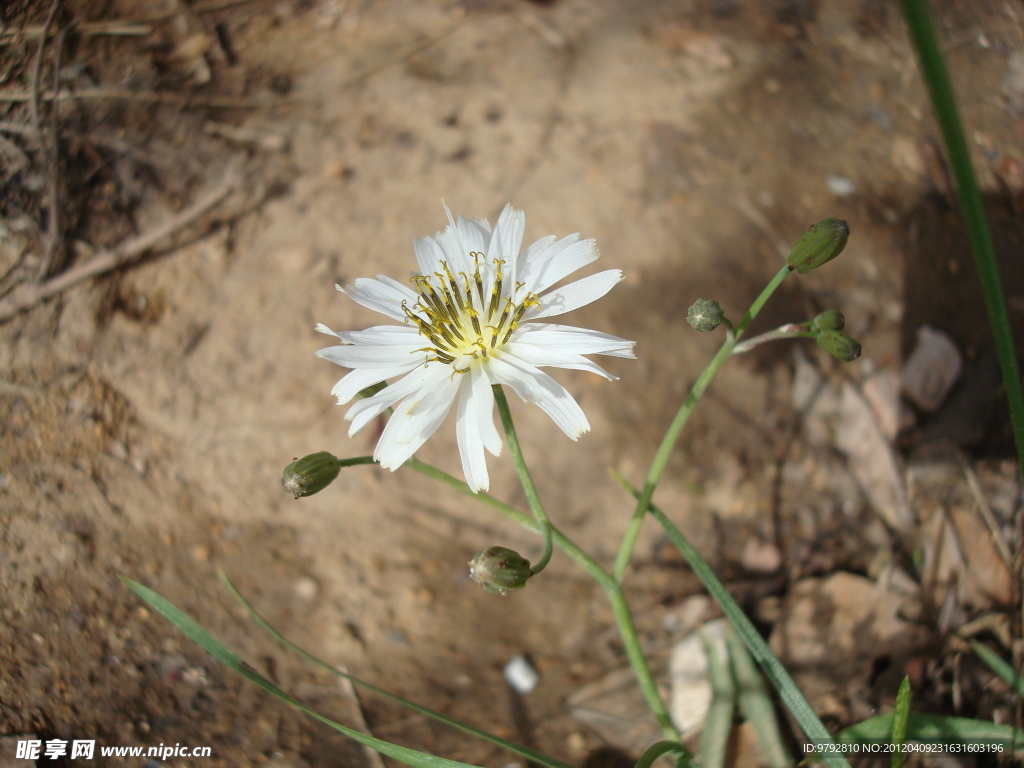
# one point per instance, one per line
(464, 320)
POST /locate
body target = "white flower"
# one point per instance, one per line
(466, 325)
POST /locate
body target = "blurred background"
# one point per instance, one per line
(184, 184)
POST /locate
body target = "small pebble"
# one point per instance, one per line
(840, 185)
(521, 675)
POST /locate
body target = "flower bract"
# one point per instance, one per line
(469, 321)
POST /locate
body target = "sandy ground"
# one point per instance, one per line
(147, 414)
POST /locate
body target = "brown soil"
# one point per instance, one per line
(146, 414)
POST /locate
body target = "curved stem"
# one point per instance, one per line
(620, 608)
(788, 331)
(668, 443)
(524, 477)
(660, 748)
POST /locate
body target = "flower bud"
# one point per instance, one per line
(371, 390)
(829, 320)
(310, 474)
(839, 345)
(819, 244)
(705, 315)
(499, 569)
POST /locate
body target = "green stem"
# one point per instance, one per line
(524, 477)
(620, 608)
(769, 663)
(933, 69)
(788, 331)
(660, 748)
(668, 443)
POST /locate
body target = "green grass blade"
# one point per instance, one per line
(936, 77)
(529, 754)
(756, 704)
(215, 648)
(900, 715)
(791, 696)
(935, 728)
(996, 664)
(714, 736)
(658, 749)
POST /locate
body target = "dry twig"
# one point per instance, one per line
(115, 94)
(28, 295)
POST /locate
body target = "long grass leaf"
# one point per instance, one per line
(714, 736)
(756, 704)
(215, 648)
(536, 757)
(900, 715)
(936, 77)
(996, 663)
(791, 696)
(935, 728)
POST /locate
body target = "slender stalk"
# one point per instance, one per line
(788, 331)
(773, 669)
(617, 599)
(933, 69)
(668, 443)
(524, 477)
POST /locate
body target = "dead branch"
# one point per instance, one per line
(28, 295)
(90, 28)
(218, 102)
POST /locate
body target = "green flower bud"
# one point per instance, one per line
(839, 345)
(819, 244)
(499, 569)
(829, 320)
(371, 390)
(705, 315)
(310, 474)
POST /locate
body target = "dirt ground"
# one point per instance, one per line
(147, 412)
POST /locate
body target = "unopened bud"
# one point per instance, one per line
(705, 315)
(839, 345)
(310, 474)
(829, 320)
(371, 390)
(499, 569)
(819, 244)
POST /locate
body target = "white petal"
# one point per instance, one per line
(374, 356)
(580, 341)
(383, 335)
(539, 356)
(428, 255)
(474, 427)
(535, 386)
(576, 295)
(416, 418)
(379, 296)
(364, 411)
(354, 382)
(474, 234)
(507, 239)
(556, 261)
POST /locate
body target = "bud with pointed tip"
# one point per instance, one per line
(829, 320)
(499, 569)
(839, 345)
(705, 315)
(310, 474)
(819, 244)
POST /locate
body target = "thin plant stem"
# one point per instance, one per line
(524, 477)
(788, 331)
(794, 700)
(668, 443)
(612, 588)
(936, 77)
